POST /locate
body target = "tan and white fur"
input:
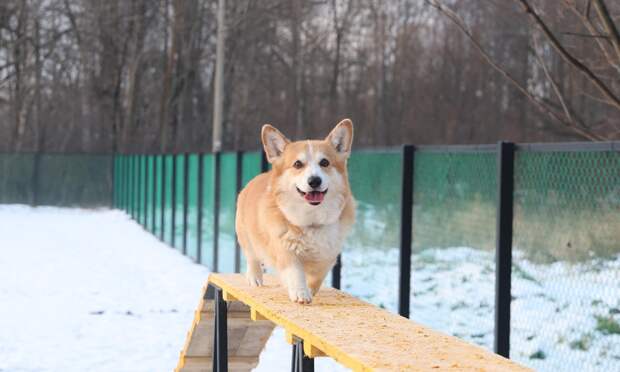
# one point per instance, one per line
(295, 217)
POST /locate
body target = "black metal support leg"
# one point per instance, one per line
(220, 333)
(301, 363)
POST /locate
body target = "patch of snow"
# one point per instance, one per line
(91, 290)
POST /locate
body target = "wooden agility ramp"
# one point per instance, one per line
(355, 333)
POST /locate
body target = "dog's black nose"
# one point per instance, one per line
(314, 181)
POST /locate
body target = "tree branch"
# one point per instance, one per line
(609, 24)
(457, 21)
(615, 100)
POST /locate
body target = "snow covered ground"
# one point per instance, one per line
(90, 290)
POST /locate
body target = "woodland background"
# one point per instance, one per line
(137, 75)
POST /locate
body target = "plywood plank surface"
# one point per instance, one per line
(359, 335)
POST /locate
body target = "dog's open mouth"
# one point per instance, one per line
(313, 197)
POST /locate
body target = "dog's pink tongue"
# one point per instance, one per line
(314, 196)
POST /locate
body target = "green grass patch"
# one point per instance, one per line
(582, 343)
(607, 325)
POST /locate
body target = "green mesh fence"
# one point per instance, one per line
(158, 197)
(135, 186)
(208, 197)
(150, 191)
(192, 206)
(375, 180)
(141, 188)
(57, 179)
(566, 261)
(228, 198)
(454, 222)
(130, 193)
(16, 178)
(179, 201)
(168, 201)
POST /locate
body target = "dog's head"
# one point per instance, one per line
(310, 179)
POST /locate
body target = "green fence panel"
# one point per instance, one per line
(75, 180)
(150, 192)
(158, 197)
(129, 196)
(16, 173)
(250, 166)
(192, 206)
(206, 235)
(134, 187)
(169, 199)
(118, 182)
(566, 255)
(372, 247)
(56, 179)
(179, 200)
(141, 187)
(453, 262)
(228, 198)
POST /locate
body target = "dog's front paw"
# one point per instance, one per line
(255, 280)
(300, 295)
(254, 274)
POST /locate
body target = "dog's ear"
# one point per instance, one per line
(274, 142)
(341, 137)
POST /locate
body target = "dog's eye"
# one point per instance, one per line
(324, 163)
(298, 164)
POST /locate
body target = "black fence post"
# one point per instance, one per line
(239, 185)
(185, 199)
(406, 226)
(173, 185)
(503, 253)
(200, 206)
(337, 272)
(216, 208)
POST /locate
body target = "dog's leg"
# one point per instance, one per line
(254, 273)
(293, 277)
(316, 273)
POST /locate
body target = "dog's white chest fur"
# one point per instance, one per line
(321, 243)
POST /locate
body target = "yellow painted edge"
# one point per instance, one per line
(289, 337)
(329, 349)
(311, 351)
(190, 333)
(255, 315)
(228, 297)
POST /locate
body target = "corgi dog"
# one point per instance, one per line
(295, 217)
